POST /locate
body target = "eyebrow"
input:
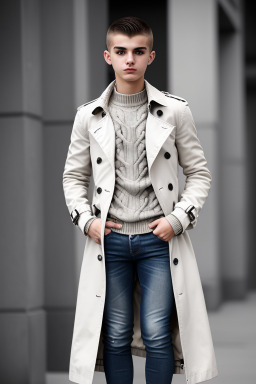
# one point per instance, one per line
(134, 48)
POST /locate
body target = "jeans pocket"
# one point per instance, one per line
(158, 238)
(108, 234)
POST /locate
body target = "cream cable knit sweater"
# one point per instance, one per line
(134, 203)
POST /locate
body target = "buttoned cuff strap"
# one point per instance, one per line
(186, 213)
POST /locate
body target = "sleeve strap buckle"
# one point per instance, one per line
(190, 213)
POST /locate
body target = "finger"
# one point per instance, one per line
(154, 223)
(110, 224)
(113, 224)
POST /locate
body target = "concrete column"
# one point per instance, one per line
(193, 74)
(250, 62)
(22, 317)
(233, 170)
(251, 139)
(58, 111)
(74, 72)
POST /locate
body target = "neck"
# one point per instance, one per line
(129, 87)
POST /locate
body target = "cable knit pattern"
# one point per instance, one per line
(134, 203)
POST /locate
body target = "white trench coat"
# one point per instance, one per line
(92, 149)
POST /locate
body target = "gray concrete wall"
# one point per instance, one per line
(250, 62)
(22, 316)
(193, 74)
(233, 161)
(73, 72)
(206, 68)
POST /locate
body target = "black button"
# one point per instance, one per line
(175, 261)
(99, 190)
(103, 114)
(167, 155)
(99, 160)
(170, 186)
(159, 112)
(99, 257)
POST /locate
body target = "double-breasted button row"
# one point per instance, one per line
(167, 155)
(99, 257)
(99, 160)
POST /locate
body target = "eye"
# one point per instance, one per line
(121, 52)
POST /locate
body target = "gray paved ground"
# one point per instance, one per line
(234, 336)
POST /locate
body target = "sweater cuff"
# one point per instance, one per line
(83, 219)
(87, 225)
(182, 216)
(175, 223)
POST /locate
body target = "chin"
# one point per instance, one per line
(130, 76)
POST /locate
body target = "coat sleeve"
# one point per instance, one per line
(198, 178)
(77, 172)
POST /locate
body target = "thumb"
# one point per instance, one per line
(154, 223)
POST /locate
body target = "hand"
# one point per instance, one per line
(95, 229)
(163, 230)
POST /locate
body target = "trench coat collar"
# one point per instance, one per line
(153, 95)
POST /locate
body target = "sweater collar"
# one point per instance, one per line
(153, 94)
(127, 100)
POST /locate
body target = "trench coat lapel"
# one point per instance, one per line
(157, 131)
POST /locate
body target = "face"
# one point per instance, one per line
(129, 52)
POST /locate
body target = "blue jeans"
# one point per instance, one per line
(150, 256)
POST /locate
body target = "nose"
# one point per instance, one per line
(130, 58)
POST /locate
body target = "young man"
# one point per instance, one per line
(139, 291)
(129, 57)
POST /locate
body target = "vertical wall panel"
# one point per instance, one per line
(22, 317)
(193, 64)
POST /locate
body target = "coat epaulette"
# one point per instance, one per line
(83, 105)
(174, 96)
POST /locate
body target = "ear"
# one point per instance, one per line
(107, 57)
(151, 57)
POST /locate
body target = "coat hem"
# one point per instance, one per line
(203, 376)
(80, 379)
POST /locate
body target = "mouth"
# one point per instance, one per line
(130, 70)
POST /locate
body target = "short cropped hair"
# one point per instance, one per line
(130, 26)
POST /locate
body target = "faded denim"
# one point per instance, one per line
(150, 256)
